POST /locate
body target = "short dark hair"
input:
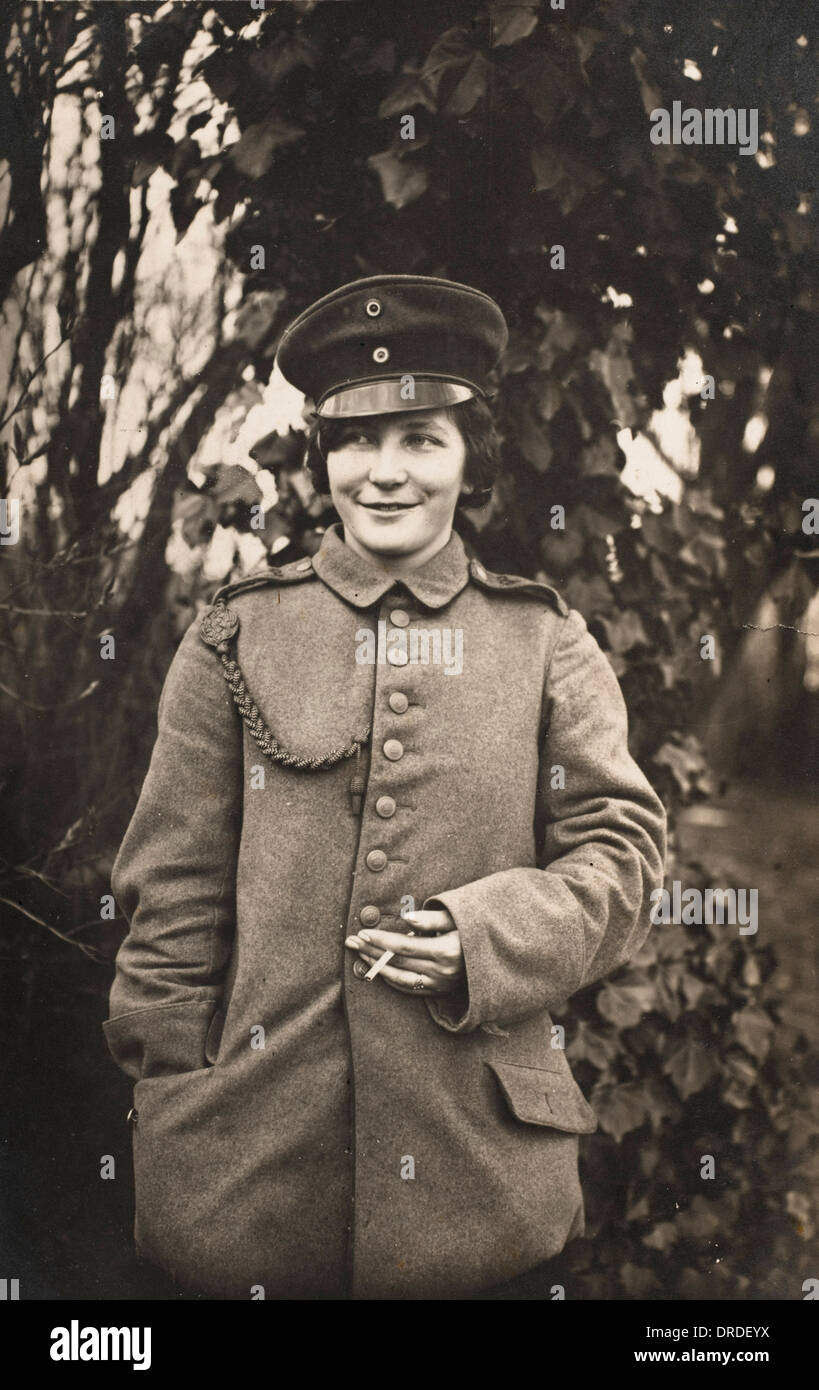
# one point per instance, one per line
(475, 423)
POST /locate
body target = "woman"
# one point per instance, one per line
(384, 749)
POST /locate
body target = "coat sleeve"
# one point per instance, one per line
(175, 873)
(531, 937)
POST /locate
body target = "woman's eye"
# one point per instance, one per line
(421, 440)
(355, 439)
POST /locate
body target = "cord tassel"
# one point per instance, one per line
(357, 783)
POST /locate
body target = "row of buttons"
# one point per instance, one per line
(386, 806)
(373, 309)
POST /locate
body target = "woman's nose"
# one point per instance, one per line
(387, 465)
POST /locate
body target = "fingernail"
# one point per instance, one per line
(365, 936)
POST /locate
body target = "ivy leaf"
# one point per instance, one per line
(364, 59)
(740, 1078)
(637, 1281)
(619, 1109)
(151, 151)
(624, 1004)
(719, 961)
(589, 596)
(471, 87)
(590, 1045)
(253, 152)
(510, 21)
(401, 181)
(547, 166)
(662, 1236)
(452, 50)
(685, 761)
(544, 87)
(221, 72)
(257, 314)
(668, 1001)
(198, 515)
(271, 64)
(600, 458)
(624, 631)
(754, 1029)
(690, 1066)
(586, 41)
(693, 989)
(410, 90)
(235, 484)
(651, 95)
(184, 208)
(701, 1221)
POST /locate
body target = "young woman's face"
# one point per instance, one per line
(395, 481)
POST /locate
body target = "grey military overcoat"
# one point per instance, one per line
(300, 1128)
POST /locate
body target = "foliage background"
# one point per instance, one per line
(138, 336)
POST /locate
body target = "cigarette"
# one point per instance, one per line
(381, 962)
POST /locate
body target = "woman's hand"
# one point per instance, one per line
(422, 964)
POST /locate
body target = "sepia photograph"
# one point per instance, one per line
(409, 662)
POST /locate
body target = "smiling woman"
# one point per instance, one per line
(475, 424)
(395, 481)
(335, 993)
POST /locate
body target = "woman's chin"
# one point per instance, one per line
(399, 537)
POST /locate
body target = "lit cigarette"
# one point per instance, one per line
(381, 962)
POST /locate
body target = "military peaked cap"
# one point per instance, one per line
(393, 342)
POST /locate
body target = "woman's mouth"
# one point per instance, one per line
(388, 508)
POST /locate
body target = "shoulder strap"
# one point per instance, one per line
(294, 573)
(515, 583)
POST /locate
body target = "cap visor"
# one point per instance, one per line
(388, 397)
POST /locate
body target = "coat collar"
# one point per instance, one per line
(362, 583)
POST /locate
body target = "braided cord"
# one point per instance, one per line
(263, 735)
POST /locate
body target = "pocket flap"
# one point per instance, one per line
(539, 1097)
(161, 1040)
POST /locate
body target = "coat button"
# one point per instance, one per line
(132, 1116)
(385, 806)
(381, 354)
(399, 618)
(376, 860)
(373, 308)
(399, 702)
(393, 750)
(396, 657)
(369, 916)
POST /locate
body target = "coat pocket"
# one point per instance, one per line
(540, 1097)
(164, 1039)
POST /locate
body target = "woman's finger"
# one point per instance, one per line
(412, 964)
(429, 920)
(410, 981)
(437, 947)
